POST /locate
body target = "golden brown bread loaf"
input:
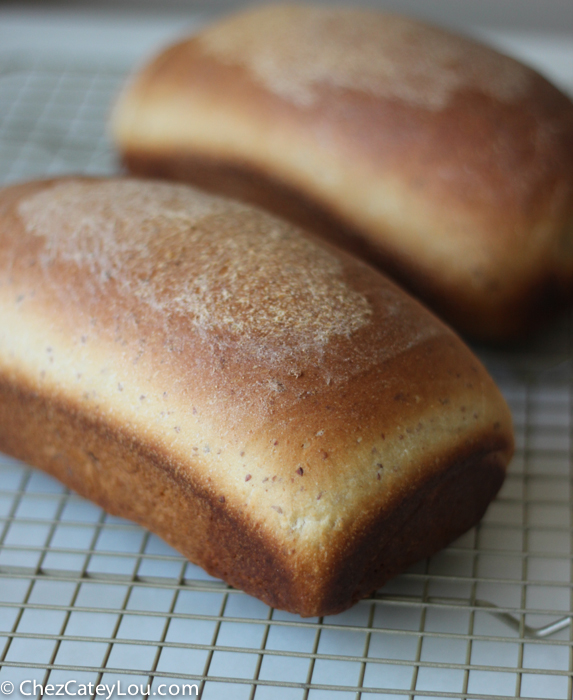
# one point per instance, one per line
(442, 161)
(276, 410)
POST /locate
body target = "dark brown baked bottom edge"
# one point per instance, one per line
(501, 323)
(136, 482)
(437, 512)
(113, 469)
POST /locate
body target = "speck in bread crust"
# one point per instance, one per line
(276, 410)
(445, 163)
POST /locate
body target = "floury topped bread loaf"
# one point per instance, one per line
(279, 412)
(444, 162)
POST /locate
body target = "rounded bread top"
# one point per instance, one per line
(294, 49)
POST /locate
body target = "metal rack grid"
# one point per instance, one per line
(92, 598)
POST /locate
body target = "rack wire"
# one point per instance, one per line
(92, 598)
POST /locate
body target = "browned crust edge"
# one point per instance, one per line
(440, 510)
(134, 481)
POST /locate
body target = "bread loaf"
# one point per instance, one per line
(276, 410)
(445, 163)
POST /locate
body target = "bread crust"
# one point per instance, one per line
(465, 196)
(304, 462)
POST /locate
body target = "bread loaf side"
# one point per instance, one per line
(277, 411)
(444, 162)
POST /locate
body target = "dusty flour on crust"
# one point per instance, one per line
(294, 50)
(221, 264)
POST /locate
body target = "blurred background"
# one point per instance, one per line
(140, 25)
(94, 598)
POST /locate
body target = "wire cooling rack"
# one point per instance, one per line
(90, 598)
